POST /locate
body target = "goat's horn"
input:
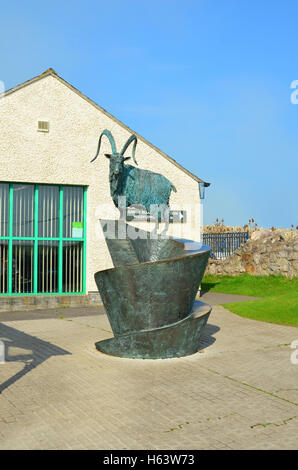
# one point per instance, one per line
(133, 138)
(112, 142)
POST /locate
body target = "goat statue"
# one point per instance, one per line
(134, 186)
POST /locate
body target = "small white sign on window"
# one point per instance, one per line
(77, 230)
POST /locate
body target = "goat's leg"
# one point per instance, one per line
(166, 217)
(154, 214)
(122, 213)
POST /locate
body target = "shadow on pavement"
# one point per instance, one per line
(33, 351)
(207, 338)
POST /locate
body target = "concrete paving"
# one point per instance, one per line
(215, 298)
(240, 391)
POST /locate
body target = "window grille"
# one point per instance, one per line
(43, 126)
(42, 239)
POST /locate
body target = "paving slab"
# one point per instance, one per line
(240, 391)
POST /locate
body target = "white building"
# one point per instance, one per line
(52, 197)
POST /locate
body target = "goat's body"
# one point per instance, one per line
(141, 187)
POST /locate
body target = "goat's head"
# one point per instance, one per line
(117, 159)
(116, 163)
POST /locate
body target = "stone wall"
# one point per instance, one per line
(266, 252)
(45, 302)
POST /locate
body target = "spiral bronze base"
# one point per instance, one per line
(149, 296)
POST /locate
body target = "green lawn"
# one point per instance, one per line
(279, 303)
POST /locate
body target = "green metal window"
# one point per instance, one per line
(42, 239)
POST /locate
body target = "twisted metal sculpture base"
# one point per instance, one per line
(149, 296)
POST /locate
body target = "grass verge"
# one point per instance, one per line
(279, 303)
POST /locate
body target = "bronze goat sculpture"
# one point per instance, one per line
(134, 186)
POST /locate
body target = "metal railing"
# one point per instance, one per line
(224, 244)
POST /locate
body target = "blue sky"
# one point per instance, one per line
(207, 81)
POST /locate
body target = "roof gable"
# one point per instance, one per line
(51, 72)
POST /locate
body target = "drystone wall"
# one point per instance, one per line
(266, 252)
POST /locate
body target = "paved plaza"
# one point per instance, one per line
(240, 391)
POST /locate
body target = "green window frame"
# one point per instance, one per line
(36, 240)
